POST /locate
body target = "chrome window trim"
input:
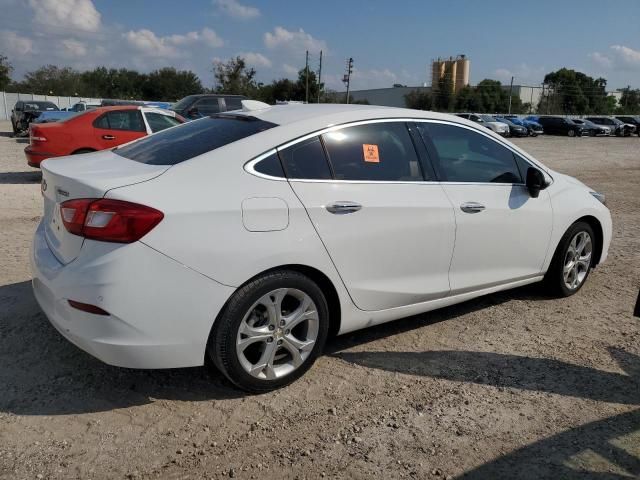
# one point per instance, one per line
(250, 165)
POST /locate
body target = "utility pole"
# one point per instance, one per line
(347, 77)
(510, 94)
(306, 69)
(320, 77)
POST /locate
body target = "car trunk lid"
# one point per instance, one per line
(84, 176)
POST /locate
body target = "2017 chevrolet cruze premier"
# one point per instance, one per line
(248, 237)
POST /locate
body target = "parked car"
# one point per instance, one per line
(632, 120)
(163, 105)
(562, 126)
(198, 106)
(53, 116)
(618, 128)
(515, 130)
(24, 112)
(246, 238)
(82, 106)
(96, 129)
(110, 102)
(592, 127)
(534, 127)
(487, 121)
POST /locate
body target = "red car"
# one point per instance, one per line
(94, 130)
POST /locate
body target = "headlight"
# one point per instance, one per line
(599, 196)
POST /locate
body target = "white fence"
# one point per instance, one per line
(8, 101)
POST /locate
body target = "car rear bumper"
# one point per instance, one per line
(160, 312)
(34, 158)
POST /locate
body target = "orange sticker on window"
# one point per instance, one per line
(371, 153)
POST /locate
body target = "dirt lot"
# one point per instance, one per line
(513, 385)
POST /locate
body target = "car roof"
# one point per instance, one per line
(318, 116)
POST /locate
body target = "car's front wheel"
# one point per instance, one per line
(572, 260)
(572, 133)
(270, 332)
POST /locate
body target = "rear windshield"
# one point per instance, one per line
(40, 106)
(189, 140)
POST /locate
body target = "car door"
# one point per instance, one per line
(384, 220)
(502, 233)
(116, 127)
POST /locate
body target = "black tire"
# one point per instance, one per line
(14, 128)
(554, 278)
(571, 133)
(83, 150)
(221, 347)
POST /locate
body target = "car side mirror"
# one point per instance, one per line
(535, 182)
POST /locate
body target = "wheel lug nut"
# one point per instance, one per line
(279, 342)
(270, 339)
(272, 327)
(282, 322)
(287, 332)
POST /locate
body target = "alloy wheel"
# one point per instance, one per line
(277, 334)
(577, 260)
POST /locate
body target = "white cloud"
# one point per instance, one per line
(74, 48)
(235, 9)
(148, 43)
(289, 70)
(255, 59)
(14, 44)
(68, 14)
(619, 57)
(293, 40)
(522, 74)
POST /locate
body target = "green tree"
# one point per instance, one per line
(443, 96)
(53, 80)
(5, 72)
(419, 100)
(572, 92)
(235, 77)
(114, 83)
(629, 103)
(169, 84)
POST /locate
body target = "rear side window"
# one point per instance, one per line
(158, 122)
(270, 166)
(207, 106)
(373, 152)
(468, 156)
(129, 120)
(233, 103)
(306, 160)
(191, 139)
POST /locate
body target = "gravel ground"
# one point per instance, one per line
(512, 385)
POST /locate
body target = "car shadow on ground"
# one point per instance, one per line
(14, 178)
(43, 374)
(577, 453)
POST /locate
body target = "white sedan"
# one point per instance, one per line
(247, 238)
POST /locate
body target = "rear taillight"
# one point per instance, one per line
(108, 220)
(35, 135)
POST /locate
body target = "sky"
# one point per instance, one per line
(390, 41)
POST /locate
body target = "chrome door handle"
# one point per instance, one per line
(472, 207)
(341, 208)
(108, 137)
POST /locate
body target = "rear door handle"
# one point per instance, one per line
(108, 137)
(342, 208)
(472, 207)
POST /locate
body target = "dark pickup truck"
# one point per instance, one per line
(25, 111)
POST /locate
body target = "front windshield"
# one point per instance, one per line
(182, 104)
(39, 106)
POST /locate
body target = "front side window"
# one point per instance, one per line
(192, 139)
(468, 156)
(373, 152)
(306, 160)
(158, 122)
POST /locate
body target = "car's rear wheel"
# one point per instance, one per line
(270, 332)
(572, 261)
